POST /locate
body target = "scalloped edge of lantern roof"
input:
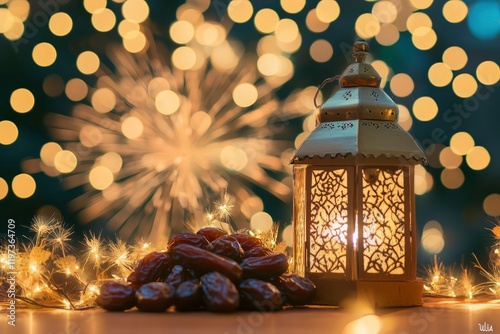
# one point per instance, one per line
(367, 138)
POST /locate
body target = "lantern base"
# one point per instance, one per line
(377, 293)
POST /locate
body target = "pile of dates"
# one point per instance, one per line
(209, 270)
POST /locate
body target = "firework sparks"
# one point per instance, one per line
(169, 141)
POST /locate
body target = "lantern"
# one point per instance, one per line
(354, 205)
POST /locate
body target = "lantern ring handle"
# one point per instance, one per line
(323, 84)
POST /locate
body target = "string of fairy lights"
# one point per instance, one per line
(201, 44)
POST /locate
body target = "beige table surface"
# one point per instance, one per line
(436, 316)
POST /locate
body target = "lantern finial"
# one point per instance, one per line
(361, 50)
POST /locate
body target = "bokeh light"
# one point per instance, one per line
(452, 178)
(44, 54)
(53, 85)
(455, 11)
(101, 177)
(87, 62)
(491, 205)
(240, 11)
(432, 237)
(488, 72)
(287, 235)
(167, 102)
(367, 25)
(184, 58)
(292, 6)
(23, 185)
(266, 20)
(455, 57)
(461, 143)
(367, 324)
(135, 10)
(483, 19)
(181, 32)
(135, 42)
(245, 95)
(48, 153)
(76, 89)
(65, 161)
(402, 85)
(4, 189)
(261, 221)
(321, 51)
(464, 85)
(60, 24)
(22, 100)
(440, 74)
(132, 127)
(388, 35)
(287, 31)
(449, 159)
(327, 10)
(8, 132)
(425, 108)
(92, 6)
(103, 19)
(385, 11)
(421, 4)
(405, 119)
(103, 100)
(478, 158)
(314, 24)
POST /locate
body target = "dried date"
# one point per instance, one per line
(154, 297)
(264, 267)
(211, 233)
(153, 267)
(203, 261)
(178, 275)
(188, 296)
(116, 296)
(258, 251)
(247, 242)
(297, 290)
(192, 239)
(259, 295)
(219, 293)
(226, 246)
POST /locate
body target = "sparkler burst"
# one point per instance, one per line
(157, 143)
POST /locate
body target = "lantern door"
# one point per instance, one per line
(385, 198)
(330, 222)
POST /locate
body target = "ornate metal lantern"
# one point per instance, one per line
(354, 205)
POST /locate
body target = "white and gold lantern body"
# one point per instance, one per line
(354, 210)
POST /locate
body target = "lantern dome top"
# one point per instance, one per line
(359, 119)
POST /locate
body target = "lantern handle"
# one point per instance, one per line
(323, 84)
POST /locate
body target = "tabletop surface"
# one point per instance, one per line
(436, 316)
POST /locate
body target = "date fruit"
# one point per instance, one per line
(264, 267)
(226, 246)
(116, 296)
(258, 251)
(188, 239)
(177, 276)
(153, 267)
(211, 233)
(203, 261)
(219, 293)
(188, 296)
(154, 297)
(247, 242)
(259, 295)
(297, 290)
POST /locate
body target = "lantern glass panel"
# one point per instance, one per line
(328, 221)
(384, 216)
